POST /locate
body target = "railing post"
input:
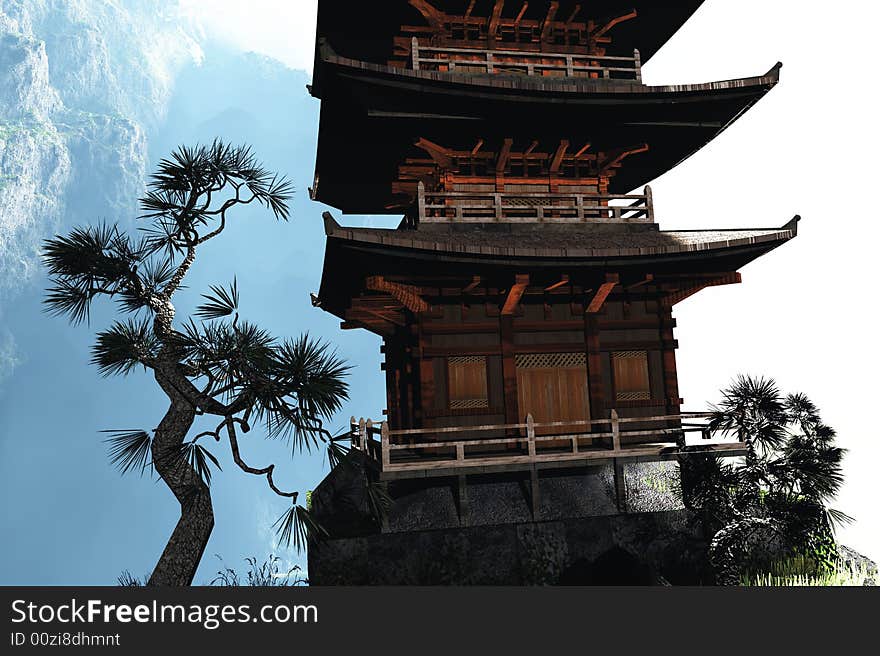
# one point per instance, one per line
(498, 213)
(366, 437)
(530, 432)
(362, 432)
(354, 431)
(637, 58)
(649, 202)
(459, 452)
(490, 63)
(615, 430)
(422, 211)
(386, 445)
(569, 66)
(415, 54)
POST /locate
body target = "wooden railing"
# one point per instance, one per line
(474, 61)
(562, 207)
(448, 448)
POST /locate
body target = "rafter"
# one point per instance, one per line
(599, 33)
(407, 296)
(434, 16)
(515, 295)
(611, 281)
(504, 156)
(559, 156)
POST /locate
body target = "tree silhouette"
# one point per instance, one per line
(776, 500)
(214, 363)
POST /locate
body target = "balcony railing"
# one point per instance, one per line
(490, 207)
(440, 450)
(473, 61)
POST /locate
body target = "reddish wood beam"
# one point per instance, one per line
(562, 283)
(614, 160)
(514, 296)
(687, 292)
(474, 284)
(529, 150)
(522, 12)
(582, 150)
(611, 281)
(612, 23)
(648, 279)
(442, 156)
(504, 156)
(470, 9)
(476, 148)
(495, 20)
(577, 10)
(548, 21)
(559, 156)
(406, 295)
(434, 16)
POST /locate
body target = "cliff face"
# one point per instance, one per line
(82, 84)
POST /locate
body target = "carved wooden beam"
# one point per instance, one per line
(473, 285)
(611, 281)
(612, 23)
(727, 279)
(559, 156)
(548, 21)
(504, 156)
(434, 16)
(514, 296)
(562, 283)
(617, 158)
(496, 17)
(441, 155)
(405, 294)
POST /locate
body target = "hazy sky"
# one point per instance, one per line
(805, 314)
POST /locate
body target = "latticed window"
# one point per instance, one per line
(468, 386)
(631, 379)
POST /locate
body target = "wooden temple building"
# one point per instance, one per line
(525, 301)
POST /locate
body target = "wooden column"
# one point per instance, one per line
(426, 376)
(670, 372)
(594, 366)
(508, 369)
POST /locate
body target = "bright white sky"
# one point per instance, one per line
(807, 313)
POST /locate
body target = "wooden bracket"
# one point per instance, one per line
(611, 281)
(408, 296)
(515, 295)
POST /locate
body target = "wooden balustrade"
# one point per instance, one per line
(427, 449)
(476, 61)
(562, 207)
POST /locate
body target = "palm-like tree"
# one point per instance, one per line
(214, 363)
(791, 471)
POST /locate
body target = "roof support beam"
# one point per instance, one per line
(504, 156)
(519, 16)
(728, 279)
(404, 294)
(559, 156)
(441, 155)
(548, 22)
(476, 282)
(514, 296)
(616, 158)
(496, 17)
(433, 15)
(611, 281)
(612, 23)
(562, 283)
(649, 278)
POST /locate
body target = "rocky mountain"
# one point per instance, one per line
(82, 84)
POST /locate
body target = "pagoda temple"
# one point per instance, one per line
(525, 301)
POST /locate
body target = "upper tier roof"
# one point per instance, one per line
(373, 114)
(365, 30)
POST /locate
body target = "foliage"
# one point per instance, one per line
(214, 362)
(802, 571)
(269, 573)
(776, 500)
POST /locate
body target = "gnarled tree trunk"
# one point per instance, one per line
(180, 559)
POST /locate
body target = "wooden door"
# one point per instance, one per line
(553, 388)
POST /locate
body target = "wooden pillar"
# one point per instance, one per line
(594, 366)
(426, 377)
(535, 494)
(670, 372)
(508, 369)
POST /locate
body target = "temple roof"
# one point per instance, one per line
(373, 113)
(363, 30)
(568, 242)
